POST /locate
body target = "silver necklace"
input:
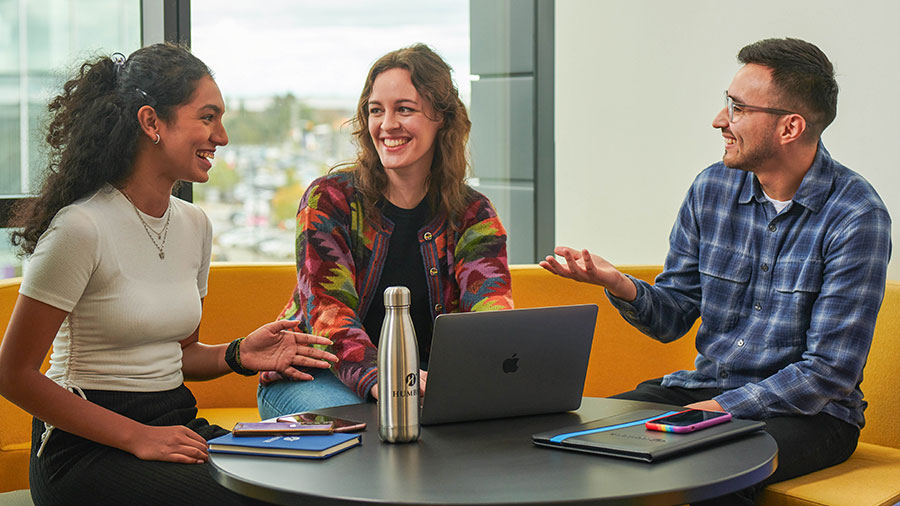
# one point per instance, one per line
(160, 241)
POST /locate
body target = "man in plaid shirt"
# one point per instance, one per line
(782, 252)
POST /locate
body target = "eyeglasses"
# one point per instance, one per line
(731, 105)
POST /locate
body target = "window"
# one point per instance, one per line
(39, 41)
(291, 75)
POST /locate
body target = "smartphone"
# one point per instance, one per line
(340, 424)
(281, 429)
(688, 421)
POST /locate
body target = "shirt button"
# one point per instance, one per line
(740, 342)
(438, 308)
(757, 306)
(772, 228)
(723, 374)
(433, 271)
(764, 267)
(427, 236)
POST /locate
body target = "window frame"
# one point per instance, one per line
(166, 21)
(170, 21)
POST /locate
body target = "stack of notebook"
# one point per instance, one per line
(304, 447)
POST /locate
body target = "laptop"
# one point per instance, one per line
(514, 362)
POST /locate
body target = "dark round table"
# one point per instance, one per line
(494, 462)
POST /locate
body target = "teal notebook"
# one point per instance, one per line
(303, 447)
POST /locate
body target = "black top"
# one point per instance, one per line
(404, 266)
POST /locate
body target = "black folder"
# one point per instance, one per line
(625, 436)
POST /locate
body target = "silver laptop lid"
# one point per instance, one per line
(514, 362)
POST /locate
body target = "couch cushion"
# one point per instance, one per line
(621, 357)
(870, 477)
(15, 424)
(227, 417)
(14, 469)
(241, 298)
(879, 383)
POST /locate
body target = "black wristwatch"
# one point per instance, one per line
(233, 358)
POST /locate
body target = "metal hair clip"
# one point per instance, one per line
(150, 100)
(118, 60)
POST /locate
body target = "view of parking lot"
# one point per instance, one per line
(253, 191)
(291, 75)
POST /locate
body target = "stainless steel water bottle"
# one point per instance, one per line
(398, 370)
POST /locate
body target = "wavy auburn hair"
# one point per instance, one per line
(430, 75)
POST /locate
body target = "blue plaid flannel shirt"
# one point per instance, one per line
(787, 302)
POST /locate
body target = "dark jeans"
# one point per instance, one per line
(805, 443)
(75, 471)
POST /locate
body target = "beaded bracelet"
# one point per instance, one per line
(233, 358)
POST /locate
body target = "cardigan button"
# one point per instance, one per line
(433, 271)
(438, 308)
(427, 236)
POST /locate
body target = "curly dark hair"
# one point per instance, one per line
(430, 75)
(93, 130)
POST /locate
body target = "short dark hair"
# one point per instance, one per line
(803, 76)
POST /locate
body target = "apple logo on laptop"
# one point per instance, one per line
(511, 364)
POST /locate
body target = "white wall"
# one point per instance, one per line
(637, 86)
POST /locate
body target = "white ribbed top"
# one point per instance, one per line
(128, 309)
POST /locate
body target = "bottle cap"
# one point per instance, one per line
(395, 296)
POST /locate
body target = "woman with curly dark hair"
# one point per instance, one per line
(401, 214)
(117, 274)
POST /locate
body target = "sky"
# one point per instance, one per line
(320, 49)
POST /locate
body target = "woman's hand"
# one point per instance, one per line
(423, 377)
(277, 346)
(174, 443)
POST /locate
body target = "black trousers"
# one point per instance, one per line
(75, 471)
(805, 443)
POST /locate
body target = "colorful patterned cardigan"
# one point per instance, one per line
(341, 253)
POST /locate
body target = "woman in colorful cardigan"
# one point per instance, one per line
(401, 214)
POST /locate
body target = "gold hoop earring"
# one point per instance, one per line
(157, 139)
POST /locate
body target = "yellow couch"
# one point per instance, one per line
(243, 296)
